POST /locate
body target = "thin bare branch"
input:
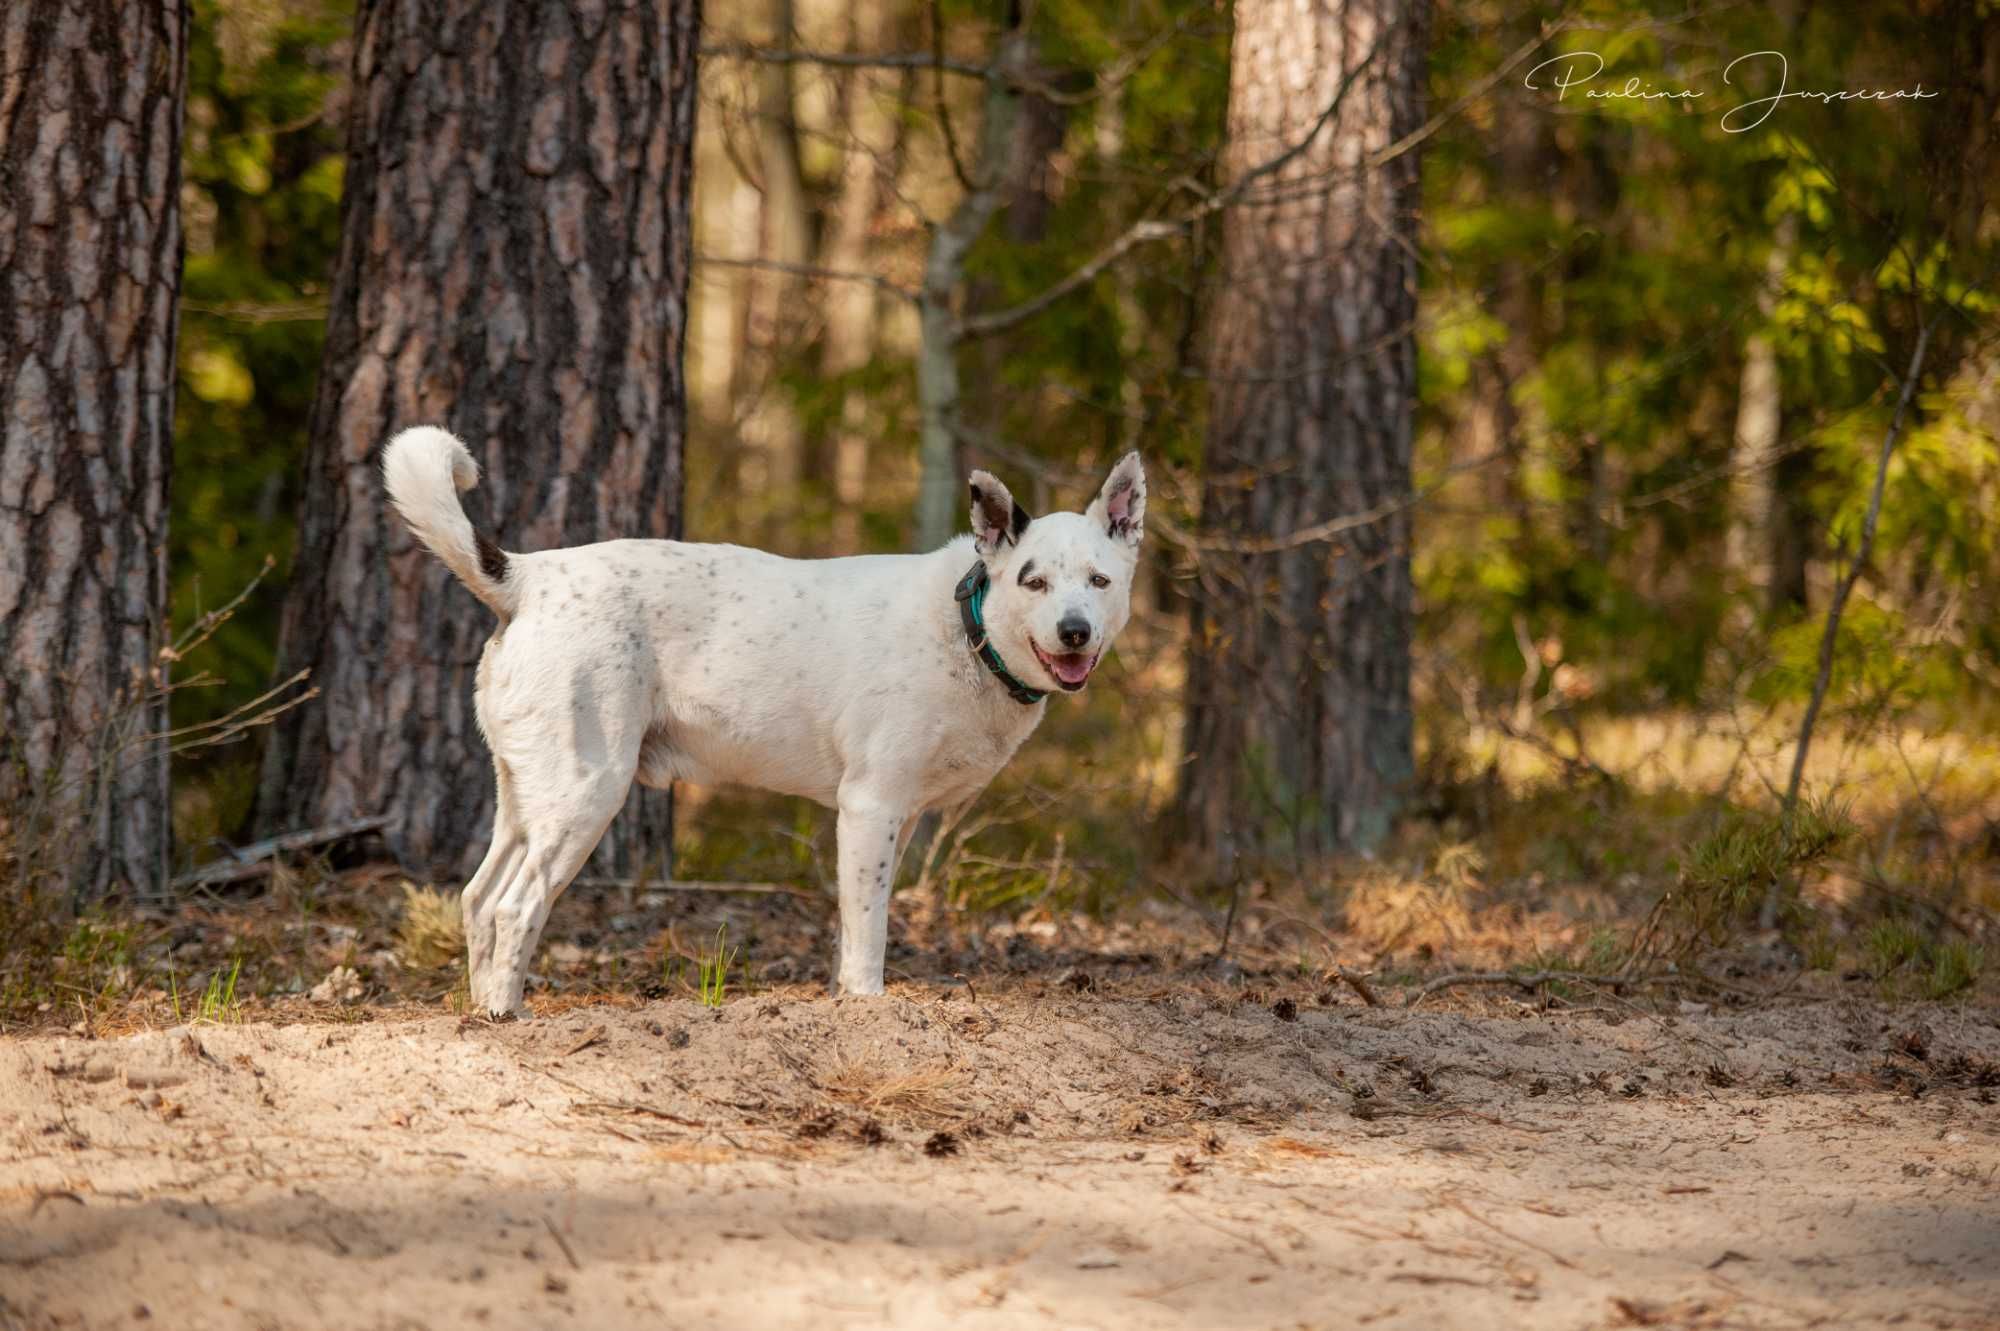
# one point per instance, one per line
(1151, 229)
(1768, 917)
(985, 325)
(1531, 981)
(843, 59)
(1316, 531)
(809, 270)
(1416, 137)
(259, 312)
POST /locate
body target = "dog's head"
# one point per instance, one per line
(1061, 584)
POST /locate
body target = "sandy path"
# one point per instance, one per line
(1176, 1160)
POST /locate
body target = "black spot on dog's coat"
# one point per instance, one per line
(492, 559)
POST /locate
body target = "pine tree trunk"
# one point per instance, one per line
(1299, 725)
(514, 264)
(91, 96)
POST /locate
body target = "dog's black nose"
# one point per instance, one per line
(1073, 632)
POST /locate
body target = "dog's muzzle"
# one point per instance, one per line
(1071, 670)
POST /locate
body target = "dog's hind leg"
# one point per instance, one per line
(558, 831)
(476, 904)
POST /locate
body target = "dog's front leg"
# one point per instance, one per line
(869, 829)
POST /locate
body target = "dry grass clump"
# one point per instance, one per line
(431, 933)
(1388, 911)
(928, 1095)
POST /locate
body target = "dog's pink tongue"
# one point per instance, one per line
(1073, 668)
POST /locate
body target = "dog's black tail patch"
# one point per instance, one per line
(492, 559)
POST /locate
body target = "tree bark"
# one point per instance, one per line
(514, 265)
(940, 486)
(851, 306)
(774, 459)
(91, 99)
(1757, 535)
(1299, 715)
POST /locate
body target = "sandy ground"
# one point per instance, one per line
(1045, 1157)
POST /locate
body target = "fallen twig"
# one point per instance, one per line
(589, 1038)
(1528, 980)
(666, 885)
(1358, 984)
(256, 858)
(614, 1105)
(562, 1243)
(43, 1196)
(1550, 1253)
(635, 1107)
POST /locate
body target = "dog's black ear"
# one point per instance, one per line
(996, 518)
(1121, 503)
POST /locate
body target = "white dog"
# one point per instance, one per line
(880, 686)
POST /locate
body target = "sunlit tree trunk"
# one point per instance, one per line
(514, 262)
(940, 485)
(1299, 725)
(1108, 131)
(850, 306)
(773, 461)
(91, 97)
(1757, 530)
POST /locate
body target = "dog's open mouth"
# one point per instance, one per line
(1069, 669)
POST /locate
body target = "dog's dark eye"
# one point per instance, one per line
(1035, 584)
(1099, 580)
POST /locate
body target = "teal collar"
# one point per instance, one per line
(971, 598)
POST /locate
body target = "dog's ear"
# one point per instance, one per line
(995, 516)
(1121, 503)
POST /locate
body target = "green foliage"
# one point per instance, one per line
(1593, 278)
(1955, 967)
(1891, 945)
(712, 969)
(1726, 872)
(1936, 968)
(262, 171)
(217, 1002)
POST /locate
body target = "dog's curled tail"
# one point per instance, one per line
(424, 469)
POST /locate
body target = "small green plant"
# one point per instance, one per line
(1822, 951)
(713, 969)
(1726, 873)
(1605, 951)
(218, 1002)
(1954, 966)
(1891, 945)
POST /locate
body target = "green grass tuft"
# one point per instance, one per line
(1955, 966)
(218, 1002)
(713, 969)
